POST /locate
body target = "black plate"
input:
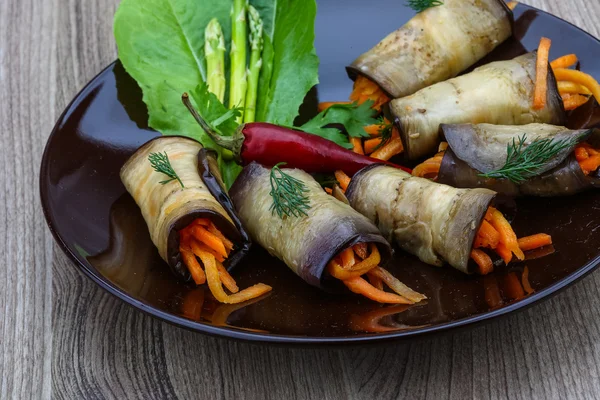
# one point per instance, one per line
(100, 228)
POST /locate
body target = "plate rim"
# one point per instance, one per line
(239, 334)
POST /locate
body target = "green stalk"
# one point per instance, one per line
(238, 80)
(214, 50)
(256, 46)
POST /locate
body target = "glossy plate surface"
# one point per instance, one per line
(100, 228)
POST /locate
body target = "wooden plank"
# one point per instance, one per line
(27, 109)
(61, 336)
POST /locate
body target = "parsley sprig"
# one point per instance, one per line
(523, 162)
(160, 162)
(288, 193)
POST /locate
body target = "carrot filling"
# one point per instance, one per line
(588, 157)
(204, 248)
(574, 86)
(430, 168)
(496, 234)
(365, 89)
(362, 259)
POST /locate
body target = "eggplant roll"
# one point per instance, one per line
(497, 93)
(435, 222)
(168, 208)
(476, 149)
(435, 45)
(306, 243)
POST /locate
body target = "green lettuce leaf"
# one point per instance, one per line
(293, 71)
(161, 45)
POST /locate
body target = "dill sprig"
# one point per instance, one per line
(160, 162)
(288, 193)
(422, 5)
(524, 163)
(385, 133)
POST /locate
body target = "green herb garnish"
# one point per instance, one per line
(385, 133)
(288, 193)
(524, 163)
(160, 162)
(422, 5)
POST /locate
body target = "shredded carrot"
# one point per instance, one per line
(340, 272)
(216, 288)
(512, 4)
(197, 246)
(360, 286)
(397, 286)
(534, 241)
(483, 261)
(193, 266)
(347, 257)
(581, 153)
(504, 253)
(590, 164)
(342, 178)
(227, 279)
(572, 101)
(563, 74)
(226, 242)
(365, 89)
(329, 190)
(209, 239)
(443, 146)
(568, 87)
(512, 287)
(375, 281)
(371, 144)
(487, 236)
(202, 222)
(541, 74)
(525, 281)
(393, 147)
(375, 129)
(361, 250)
(507, 234)
(203, 239)
(357, 145)
(429, 168)
(565, 61)
(326, 104)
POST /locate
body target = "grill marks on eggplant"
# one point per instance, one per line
(497, 93)
(305, 244)
(435, 222)
(168, 208)
(435, 45)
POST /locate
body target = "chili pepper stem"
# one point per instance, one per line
(233, 143)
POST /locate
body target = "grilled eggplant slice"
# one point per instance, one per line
(497, 93)
(168, 208)
(481, 148)
(435, 45)
(305, 244)
(435, 222)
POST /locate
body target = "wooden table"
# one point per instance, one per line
(63, 337)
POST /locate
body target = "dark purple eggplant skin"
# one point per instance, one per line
(343, 231)
(564, 180)
(209, 172)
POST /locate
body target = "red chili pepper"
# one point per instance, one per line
(269, 144)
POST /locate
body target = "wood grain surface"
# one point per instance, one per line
(62, 337)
